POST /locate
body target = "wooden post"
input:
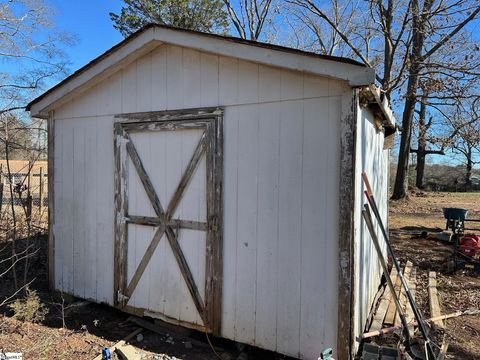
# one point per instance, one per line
(40, 196)
(29, 179)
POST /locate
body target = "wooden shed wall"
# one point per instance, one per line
(281, 176)
(373, 159)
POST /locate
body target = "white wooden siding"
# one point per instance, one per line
(372, 159)
(281, 175)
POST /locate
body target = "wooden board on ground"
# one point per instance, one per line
(392, 309)
(385, 300)
(403, 294)
(433, 298)
(409, 314)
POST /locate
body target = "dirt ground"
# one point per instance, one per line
(81, 332)
(457, 290)
(91, 327)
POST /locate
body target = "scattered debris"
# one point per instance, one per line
(414, 323)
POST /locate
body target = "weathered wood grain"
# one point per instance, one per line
(142, 173)
(403, 295)
(187, 175)
(392, 307)
(144, 262)
(433, 302)
(412, 285)
(346, 224)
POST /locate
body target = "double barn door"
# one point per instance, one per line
(168, 226)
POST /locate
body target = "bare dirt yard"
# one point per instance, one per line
(81, 332)
(458, 290)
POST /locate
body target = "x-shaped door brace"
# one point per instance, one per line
(210, 140)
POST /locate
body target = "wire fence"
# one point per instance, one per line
(25, 184)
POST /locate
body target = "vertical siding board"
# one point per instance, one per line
(332, 207)
(144, 83)
(229, 300)
(371, 158)
(159, 78)
(289, 228)
(191, 240)
(228, 81)
(191, 78)
(90, 209)
(316, 218)
(176, 291)
(69, 203)
(109, 95)
(158, 261)
(291, 85)
(174, 77)
(314, 86)
(266, 287)
(247, 224)
(209, 79)
(269, 84)
(129, 88)
(79, 241)
(58, 227)
(104, 170)
(247, 82)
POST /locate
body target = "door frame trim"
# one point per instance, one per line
(210, 119)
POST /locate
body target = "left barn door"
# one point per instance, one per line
(168, 231)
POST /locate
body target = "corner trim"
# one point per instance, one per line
(346, 299)
(51, 196)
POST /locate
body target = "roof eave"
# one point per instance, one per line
(142, 42)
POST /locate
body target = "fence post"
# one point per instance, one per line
(40, 205)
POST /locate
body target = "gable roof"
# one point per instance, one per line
(153, 35)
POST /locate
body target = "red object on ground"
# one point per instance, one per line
(470, 246)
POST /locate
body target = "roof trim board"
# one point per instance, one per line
(152, 36)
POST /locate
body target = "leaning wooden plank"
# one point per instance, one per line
(392, 309)
(374, 323)
(403, 295)
(410, 316)
(377, 322)
(433, 298)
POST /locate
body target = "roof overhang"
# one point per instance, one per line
(152, 36)
(377, 102)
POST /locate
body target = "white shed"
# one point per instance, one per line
(214, 183)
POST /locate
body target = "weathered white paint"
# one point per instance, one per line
(371, 158)
(281, 175)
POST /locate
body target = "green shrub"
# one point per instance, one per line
(30, 308)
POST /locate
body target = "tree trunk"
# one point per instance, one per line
(420, 166)
(400, 188)
(421, 142)
(401, 180)
(468, 173)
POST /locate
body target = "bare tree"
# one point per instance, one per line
(31, 58)
(465, 136)
(410, 34)
(249, 17)
(29, 50)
